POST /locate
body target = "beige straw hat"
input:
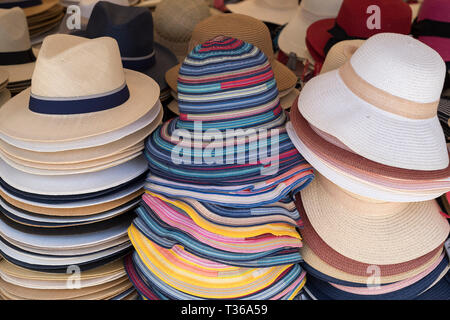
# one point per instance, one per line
(274, 11)
(79, 90)
(244, 28)
(372, 231)
(339, 54)
(174, 22)
(15, 41)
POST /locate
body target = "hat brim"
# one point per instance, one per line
(73, 184)
(18, 122)
(261, 11)
(370, 132)
(374, 238)
(285, 78)
(317, 37)
(82, 155)
(292, 37)
(5, 95)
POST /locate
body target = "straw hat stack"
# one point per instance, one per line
(247, 29)
(175, 21)
(138, 50)
(372, 229)
(221, 222)
(71, 169)
(42, 15)
(17, 58)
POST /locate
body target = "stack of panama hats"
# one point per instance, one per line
(17, 58)
(273, 11)
(352, 23)
(72, 168)
(42, 15)
(174, 22)
(247, 29)
(218, 218)
(292, 37)
(138, 50)
(356, 228)
(5, 95)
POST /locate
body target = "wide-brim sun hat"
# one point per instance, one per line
(371, 231)
(292, 37)
(244, 28)
(102, 97)
(275, 11)
(386, 100)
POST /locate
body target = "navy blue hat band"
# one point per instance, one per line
(65, 106)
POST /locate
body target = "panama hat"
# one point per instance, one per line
(174, 22)
(292, 37)
(371, 231)
(274, 11)
(351, 23)
(375, 106)
(431, 27)
(244, 28)
(138, 52)
(110, 91)
(16, 56)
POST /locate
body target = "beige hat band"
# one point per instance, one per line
(384, 100)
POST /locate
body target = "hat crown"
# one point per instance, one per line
(176, 19)
(70, 66)
(401, 66)
(436, 10)
(226, 74)
(86, 6)
(234, 25)
(395, 16)
(282, 4)
(14, 35)
(131, 27)
(326, 8)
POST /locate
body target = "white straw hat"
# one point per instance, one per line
(274, 11)
(15, 42)
(382, 104)
(79, 90)
(372, 231)
(292, 37)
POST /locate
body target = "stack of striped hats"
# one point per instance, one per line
(372, 229)
(218, 218)
(71, 171)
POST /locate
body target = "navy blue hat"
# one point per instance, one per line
(132, 28)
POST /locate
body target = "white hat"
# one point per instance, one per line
(382, 104)
(292, 37)
(274, 11)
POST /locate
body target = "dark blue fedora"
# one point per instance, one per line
(132, 28)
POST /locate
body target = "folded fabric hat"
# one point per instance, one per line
(17, 58)
(246, 99)
(177, 274)
(369, 105)
(175, 21)
(80, 99)
(247, 29)
(138, 50)
(352, 23)
(292, 37)
(274, 11)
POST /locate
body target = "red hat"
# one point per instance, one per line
(352, 23)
